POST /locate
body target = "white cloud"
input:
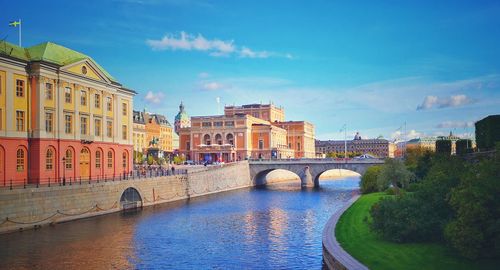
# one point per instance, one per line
(214, 47)
(154, 98)
(203, 75)
(412, 134)
(452, 101)
(456, 124)
(212, 86)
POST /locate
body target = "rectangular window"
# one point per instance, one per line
(83, 98)
(229, 123)
(124, 132)
(109, 129)
(298, 146)
(97, 101)
(19, 88)
(206, 124)
(261, 144)
(188, 146)
(217, 124)
(83, 125)
(48, 121)
(48, 91)
(67, 95)
(97, 127)
(68, 124)
(124, 109)
(109, 104)
(20, 120)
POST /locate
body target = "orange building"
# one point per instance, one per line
(240, 134)
(62, 116)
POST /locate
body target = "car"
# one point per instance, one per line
(365, 156)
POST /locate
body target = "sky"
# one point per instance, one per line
(369, 65)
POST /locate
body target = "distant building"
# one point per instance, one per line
(182, 119)
(429, 143)
(246, 132)
(149, 126)
(378, 147)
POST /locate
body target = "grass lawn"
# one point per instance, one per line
(356, 238)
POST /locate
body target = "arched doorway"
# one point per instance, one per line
(85, 163)
(130, 199)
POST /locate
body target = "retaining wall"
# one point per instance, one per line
(32, 207)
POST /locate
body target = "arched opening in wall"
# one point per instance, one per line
(85, 163)
(340, 178)
(218, 139)
(206, 139)
(99, 167)
(275, 176)
(50, 163)
(130, 199)
(230, 139)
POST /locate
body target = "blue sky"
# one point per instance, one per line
(372, 65)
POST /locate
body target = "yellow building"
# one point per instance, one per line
(62, 115)
(300, 137)
(149, 127)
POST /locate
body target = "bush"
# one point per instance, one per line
(488, 132)
(368, 183)
(393, 173)
(443, 147)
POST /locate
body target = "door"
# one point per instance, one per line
(85, 163)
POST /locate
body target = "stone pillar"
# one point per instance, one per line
(306, 178)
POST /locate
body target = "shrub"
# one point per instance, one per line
(443, 147)
(393, 172)
(368, 183)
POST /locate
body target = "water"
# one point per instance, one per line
(278, 227)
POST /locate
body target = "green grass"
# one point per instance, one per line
(354, 235)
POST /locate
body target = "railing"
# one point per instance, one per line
(364, 160)
(70, 181)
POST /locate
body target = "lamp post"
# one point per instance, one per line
(64, 170)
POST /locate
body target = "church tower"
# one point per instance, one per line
(182, 119)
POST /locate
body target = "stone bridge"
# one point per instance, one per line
(309, 170)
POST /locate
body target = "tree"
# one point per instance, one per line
(151, 160)
(394, 172)
(138, 157)
(488, 132)
(443, 147)
(463, 146)
(368, 183)
(179, 159)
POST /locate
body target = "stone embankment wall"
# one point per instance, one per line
(25, 208)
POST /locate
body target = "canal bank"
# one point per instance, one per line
(32, 207)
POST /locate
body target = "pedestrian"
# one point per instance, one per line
(173, 170)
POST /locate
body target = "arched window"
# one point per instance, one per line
(49, 159)
(124, 160)
(206, 139)
(69, 159)
(98, 159)
(20, 160)
(218, 139)
(110, 159)
(230, 139)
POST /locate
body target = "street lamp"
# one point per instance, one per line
(64, 170)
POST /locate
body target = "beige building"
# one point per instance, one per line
(149, 127)
(378, 147)
(240, 134)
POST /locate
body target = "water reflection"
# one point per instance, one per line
(273, 228)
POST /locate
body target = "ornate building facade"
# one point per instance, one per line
(379, 147)
(61, 115)
(149, 127)
(245, 132)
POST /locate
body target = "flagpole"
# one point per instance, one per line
(20, 25)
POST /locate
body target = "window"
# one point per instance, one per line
(68, 160)
(188, 146)
(48, 91)
(19, 88)
(49, 159)
(83, 98)
(124, 160)
(20, 160)
(67, 95)
(48, 121)
(68, 123)
(229, 123)
(217, 124)
(98, 159)
(298, 146)
(110, 159)
(261, 144)
(206, 124)
(20, 120)
(97, 127)
(230, 139)
(83, 125)
(109, 129)
(124, 132)
(97, 101)
(109, 104)
(124, 109)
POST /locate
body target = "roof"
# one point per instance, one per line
(48, 52)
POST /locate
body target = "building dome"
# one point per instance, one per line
(182, 119)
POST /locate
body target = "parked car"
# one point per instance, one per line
(365, 156)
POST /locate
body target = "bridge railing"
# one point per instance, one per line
(305, 160)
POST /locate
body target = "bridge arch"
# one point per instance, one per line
(335, 173)
(274, 175)
(130, 199)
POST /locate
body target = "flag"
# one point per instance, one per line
(15, 23)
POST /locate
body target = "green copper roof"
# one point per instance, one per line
(49, 52)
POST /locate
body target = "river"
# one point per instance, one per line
(277, 227)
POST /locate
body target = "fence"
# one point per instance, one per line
(69, 181)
